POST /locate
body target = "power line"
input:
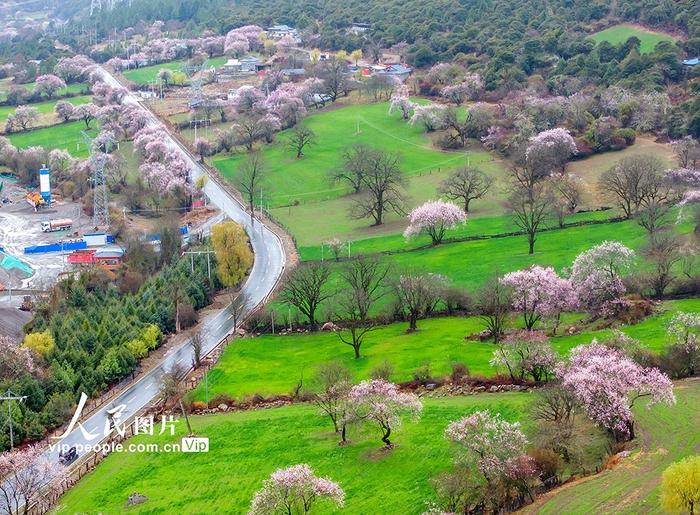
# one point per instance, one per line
(9, 397)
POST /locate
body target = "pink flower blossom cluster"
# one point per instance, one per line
(243, 39)
(74, 69)
(684, 329)
(432, 116)
(14, 360)
(550, 150)
(684, 177)
(596, 276)
(164, 168)
(607, 383)
(382, 403)
(49, 84)
(525, 353)
(538, 292)
(293, 490)
(28, 478)
(491, 443)
(434, 218)
(468, 89)
(401, 102)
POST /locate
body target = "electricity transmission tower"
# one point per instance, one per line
(195, 76)
(100, 202)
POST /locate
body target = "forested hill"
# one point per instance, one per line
(435, 30)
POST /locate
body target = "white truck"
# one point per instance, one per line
(61, 224)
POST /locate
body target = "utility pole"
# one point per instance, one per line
(9, 397)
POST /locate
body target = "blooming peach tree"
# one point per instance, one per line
(294, 490)
(492, 444)
(29, 479)
(596, 276)
(607, 383)
(434, 218)
(548, 151)
(381, 403)
(538, 292)
(49, 84)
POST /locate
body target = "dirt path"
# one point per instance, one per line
(666, 434)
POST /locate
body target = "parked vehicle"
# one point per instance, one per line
(61, 224)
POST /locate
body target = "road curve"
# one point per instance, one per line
(267, 269)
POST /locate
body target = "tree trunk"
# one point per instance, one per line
(187, 418)
(356, 348)
(385, 438)
(343, 439)
(531, 242)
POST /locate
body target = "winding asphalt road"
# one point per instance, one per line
(267, 269)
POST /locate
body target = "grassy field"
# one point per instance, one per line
(590, 169)
(246, 447)
(300, 195)
(469, 264)
(46, 109)
(665, 435)
(305, 180)
(621, 33)
(147, 73)
(74, 89)
(66, 136)
(272, 365)
(475, 227)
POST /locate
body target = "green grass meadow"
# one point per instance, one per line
(73, 89)
(46, 109)
(246, 447)
(66, 136)
(621, 33)
(272, 365)
(146, 74)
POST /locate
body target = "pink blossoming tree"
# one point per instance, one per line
(432, 116)
(490, 443)
(538, 293)
(548, 151)
(401, 102)
(469, 89)
(28, 479)
(381, 403)
(596, 277)
(293, 491)
(14, 360)
(48, 85)
(607, 383)
(434, 218)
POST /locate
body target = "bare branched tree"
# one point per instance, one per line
(663, 252)
(418, 295)
(382, 187)
(364, 283)
(252, 174)
(466, 184)
(172, 389)
(306, 289)
(493, 304)
(530, 208)
(332, 384)
(301, 137)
